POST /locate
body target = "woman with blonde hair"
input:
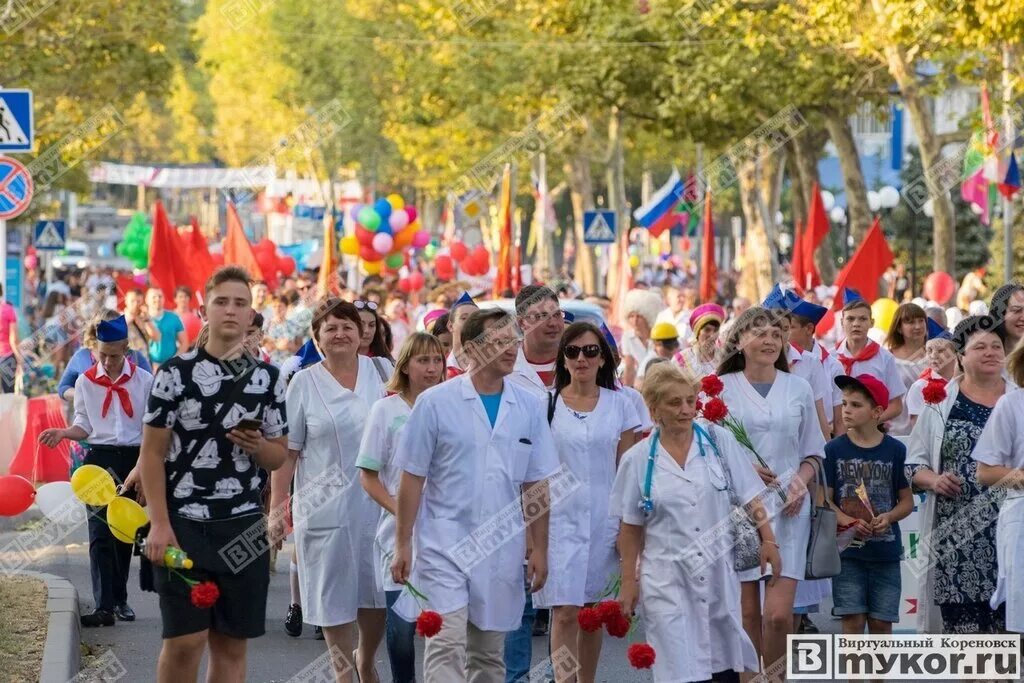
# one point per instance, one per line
(640, 310)
(83, 359)
(420, 366)
(673, 492)
(908, 335)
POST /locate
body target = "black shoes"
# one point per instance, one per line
(124, 613)
(806, 625)
(100, 617)
(293, 622)
(318, 633)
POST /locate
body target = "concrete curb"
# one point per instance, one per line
(63, 649)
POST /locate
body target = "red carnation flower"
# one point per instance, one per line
(641, 655)
(700, 406)
(428, 624)
(204, 594)
(608, 610)
(618, 626)
(711, 385)
(715, 410)
(934, 392)
(589, 619)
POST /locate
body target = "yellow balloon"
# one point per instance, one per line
(396, 202)
(124, 517)
(93, 485)
(634, 261)
(349, 245)
(883, 311)
(371, 267)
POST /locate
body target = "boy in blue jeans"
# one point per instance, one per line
(868, 488)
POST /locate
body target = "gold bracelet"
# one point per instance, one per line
(774, 544)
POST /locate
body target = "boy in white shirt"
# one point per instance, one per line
(862, 356)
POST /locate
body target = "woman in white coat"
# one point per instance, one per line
(593, 425)
(420, 366)
(778, 411)
(672, 494)
(1000, 456)
(335, 520)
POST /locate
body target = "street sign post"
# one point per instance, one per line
(17, 130)
(50, 235)
(599, 227)
(15, 188)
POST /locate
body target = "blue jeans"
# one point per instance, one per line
(519, 644)
(399, 637)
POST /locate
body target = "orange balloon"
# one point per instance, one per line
(403, 239)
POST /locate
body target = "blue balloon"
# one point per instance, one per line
(385, 229)
(383, 207)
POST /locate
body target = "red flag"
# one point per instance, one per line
(237, 250)
(503, 279)
(817, 230)
(797, 265)
(708, 268)
(199, 258)
(862, 272)
(168, 261)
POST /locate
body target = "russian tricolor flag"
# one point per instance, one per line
(659, 214)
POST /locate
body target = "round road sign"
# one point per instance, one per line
(15, 188)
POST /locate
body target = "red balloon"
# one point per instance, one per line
(368, 253)
(416, 281)
(265, 245)
(479, 251)
(459, 251)
(217, 258)
(940, 287)
(405, 285)
(286, 265)
(268, 263)
(364, 236)
(444, 268)
(16, 495)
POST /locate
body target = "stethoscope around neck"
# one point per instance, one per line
(703, 437)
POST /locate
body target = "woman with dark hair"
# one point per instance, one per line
(374, 342)
(961, 568)
(1007, 309)
(907, 337)
(593, 425)
(439, 328)
(777, 409)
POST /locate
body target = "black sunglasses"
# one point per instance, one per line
(368, 305)
(572, 352)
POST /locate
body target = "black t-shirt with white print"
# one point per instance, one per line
(189, 390)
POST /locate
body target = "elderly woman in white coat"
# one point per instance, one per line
(1000, 456)
(778, 411)
(672, 495)
(593, 425)
(335, 520)
(960, 560)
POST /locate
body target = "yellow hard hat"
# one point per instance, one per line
(664, 331)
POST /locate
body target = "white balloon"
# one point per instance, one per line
(929, 208)
(977, 209)
(828, 199)
(889, 196)
(874, 201)
(837, 214)
(57, 501)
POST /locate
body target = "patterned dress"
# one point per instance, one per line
(965, 530)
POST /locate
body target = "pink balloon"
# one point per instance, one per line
(354, 211)
(410, 211)
(31, 261)
(421, 239)
(398, 220)
(382, 242)
(140, 280)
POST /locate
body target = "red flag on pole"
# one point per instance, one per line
(816, 231)
(862, 272)
(198, 256)
(503, 279)
(168, 261)
(797, 264)
(237, 250)
(708, 267)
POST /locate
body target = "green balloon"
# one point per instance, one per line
(369, 218)
(430, 250)
(395, 261)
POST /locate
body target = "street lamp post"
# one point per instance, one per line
(888, 198)
(838, 216)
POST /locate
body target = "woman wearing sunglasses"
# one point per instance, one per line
(373, 343)
(593, 425)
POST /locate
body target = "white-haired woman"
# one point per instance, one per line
(641, 311)
(672, 492)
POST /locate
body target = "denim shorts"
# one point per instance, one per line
(871, 588)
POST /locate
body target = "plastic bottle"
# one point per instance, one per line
(174, 558)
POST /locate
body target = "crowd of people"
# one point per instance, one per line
(443, 454)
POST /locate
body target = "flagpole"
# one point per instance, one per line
(1010, 136)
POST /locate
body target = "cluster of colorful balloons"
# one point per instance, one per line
(134, 244)
(384, 230)
(414, 283)
(476, 261)
(94, 486)
(272, 264)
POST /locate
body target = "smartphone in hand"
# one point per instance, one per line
(249, 424)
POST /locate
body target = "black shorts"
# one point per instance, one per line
(233, 553)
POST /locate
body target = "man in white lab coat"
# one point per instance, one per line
(477, 451)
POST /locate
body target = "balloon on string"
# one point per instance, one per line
(265, 246)
(444, 268)
(382, 242)
(939, 287)
(398, 220)
(403, 284)
(396, 201)
(31, 261)
(124, 517)
(883, 311)
(404, 239)
(369, 218)
(364, 236)
(355, 210)
(396, 260)
(412, 213)
(286, 265)
(58, 503)
(368, 253)
(421, 239)
(371, 267)
(16, 495)
(416, 281)
(349, 245)
(385, 229)
(459, 251)
(430, 250)
(383, 209)
(93, 485)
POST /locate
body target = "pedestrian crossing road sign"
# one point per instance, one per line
(598, 227)
(16, 122)
(50, 235)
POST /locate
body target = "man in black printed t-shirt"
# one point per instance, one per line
(200, 474)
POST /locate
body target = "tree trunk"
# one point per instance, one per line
(617, 193)
(797, 198)
(756, 277)
(808, 148)
(902, 70)
(769, 180)
(581, 188)
(858, 213)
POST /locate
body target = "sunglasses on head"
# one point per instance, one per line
(572, 352)
(368, 305)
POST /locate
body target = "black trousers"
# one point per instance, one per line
(8, 370)
(109, 558)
